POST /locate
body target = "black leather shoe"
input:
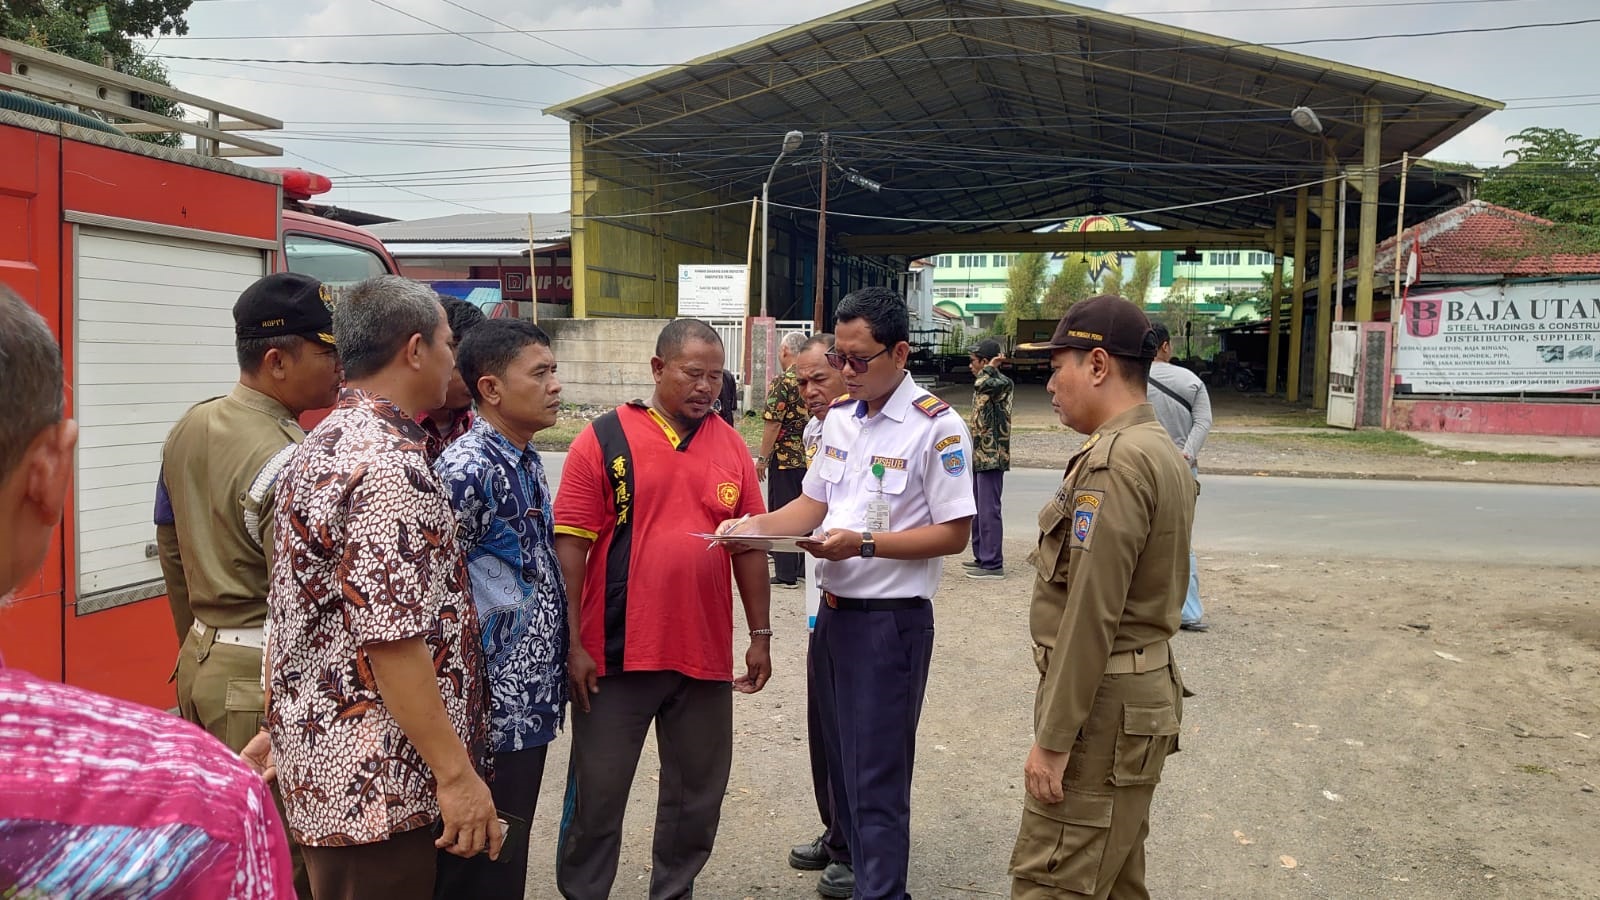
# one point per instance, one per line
(837, 881)
(810, 857)
(1195, 626)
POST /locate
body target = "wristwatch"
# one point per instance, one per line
(869, 547)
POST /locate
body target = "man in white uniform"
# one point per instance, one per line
(820, 385)
(891, 488)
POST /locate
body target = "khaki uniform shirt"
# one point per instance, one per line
(220, 465)
(1112, 565)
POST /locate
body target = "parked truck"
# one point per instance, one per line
(134, 254)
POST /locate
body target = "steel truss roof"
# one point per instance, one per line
(1018, 109)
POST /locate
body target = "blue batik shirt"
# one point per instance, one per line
(504, 524)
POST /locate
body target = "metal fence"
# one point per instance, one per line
(732, 333)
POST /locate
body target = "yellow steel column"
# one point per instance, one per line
(580, 197)
(1275, 304)
(1367, 240)
(1326, 266)
(1297, 310)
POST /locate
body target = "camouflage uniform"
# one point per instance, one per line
(991, 457)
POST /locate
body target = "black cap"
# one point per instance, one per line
(1108, 322)
(988, 348)
(285, 303)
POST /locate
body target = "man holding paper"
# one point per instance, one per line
(650, 610)
(891, 490)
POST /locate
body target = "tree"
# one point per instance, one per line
(1136, 283)
(1553, 173)
(61, 26)
(1070, 285)
(1024, 282)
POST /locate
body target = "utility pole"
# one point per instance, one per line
(822, 244)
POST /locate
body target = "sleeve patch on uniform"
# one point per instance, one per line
(1085, 508)
(955, 462)
(950, 441)
(931, 406)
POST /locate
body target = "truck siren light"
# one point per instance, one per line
(298, 184)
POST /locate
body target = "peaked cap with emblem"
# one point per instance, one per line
(1108, 322)
(285, 303)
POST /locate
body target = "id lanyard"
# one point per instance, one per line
(878, 507)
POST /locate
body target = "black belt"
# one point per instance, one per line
(872, 604)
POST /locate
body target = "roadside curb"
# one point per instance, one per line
(1280, 472)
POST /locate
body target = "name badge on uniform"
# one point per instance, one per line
(877, 518)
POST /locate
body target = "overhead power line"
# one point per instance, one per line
(877, 60)
(715, 26)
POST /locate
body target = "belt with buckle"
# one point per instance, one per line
(254, 638)
(1134, 662)
(872, 604)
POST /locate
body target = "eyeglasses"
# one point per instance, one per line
(857, 364)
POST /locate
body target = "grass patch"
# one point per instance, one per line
(1530, 769)
(567, 428)
(1395, 443)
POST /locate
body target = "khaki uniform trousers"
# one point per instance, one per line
(219, 689)
(1092, 843)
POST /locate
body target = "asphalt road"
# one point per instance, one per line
(1394, 520)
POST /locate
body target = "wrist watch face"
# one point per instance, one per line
(869, 547)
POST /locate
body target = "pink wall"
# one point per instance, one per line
(1497, 417)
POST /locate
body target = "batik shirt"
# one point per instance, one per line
(102, 798)
(503, 524)
(365, 553)
(991, 421)
(438, 439)
(786, 407)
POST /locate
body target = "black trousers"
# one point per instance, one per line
(833, 836)
(515, 788)
(694, 739)
(784, 485)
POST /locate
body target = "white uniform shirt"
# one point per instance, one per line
(810, 437)
(927, 480)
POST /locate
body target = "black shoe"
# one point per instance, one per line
(812, 857)
(971, 564)
(779, 582)
(837, 881)
(1195, 626)
(978, 572)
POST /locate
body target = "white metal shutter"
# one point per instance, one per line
(154, 319)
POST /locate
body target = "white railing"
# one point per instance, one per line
(732, 333)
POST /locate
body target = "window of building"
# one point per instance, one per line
(1225, 258)
(968, 261)
(956, 292)
(1260, 259)
(946, 261)
(1002, 261)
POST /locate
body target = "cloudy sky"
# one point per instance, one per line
(387, 135)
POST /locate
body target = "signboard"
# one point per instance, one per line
(1533, 338)
(555, 283)
(716, 292)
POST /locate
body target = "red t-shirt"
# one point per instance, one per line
(654, 598)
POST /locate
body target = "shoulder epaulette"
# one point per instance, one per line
(843, 399)
(931, 406)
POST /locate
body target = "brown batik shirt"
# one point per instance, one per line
(786, 407)
(365, 553)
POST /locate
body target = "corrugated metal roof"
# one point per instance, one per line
(478, 227)
(1015, 109)
(442, 249)
(1481, 238)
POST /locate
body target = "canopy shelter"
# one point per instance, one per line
(976, 117)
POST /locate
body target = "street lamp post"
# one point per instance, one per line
(791, 142)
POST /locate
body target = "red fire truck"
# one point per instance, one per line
(134, 254)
